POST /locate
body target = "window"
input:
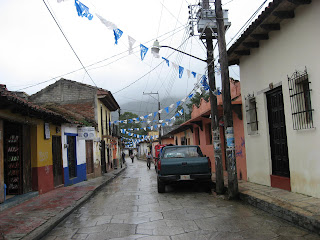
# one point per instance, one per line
(251, 115)
(183, 140)
(197, 136)
(182, 152)
(300, 100)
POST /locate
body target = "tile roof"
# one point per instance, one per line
(10, 100)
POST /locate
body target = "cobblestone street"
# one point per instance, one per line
(131, 208)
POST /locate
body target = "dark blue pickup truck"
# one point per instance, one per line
(182, 163)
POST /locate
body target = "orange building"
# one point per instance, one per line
(202, 134)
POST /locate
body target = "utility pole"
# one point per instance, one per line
(214, 108)
(233, 190)
(151, 93)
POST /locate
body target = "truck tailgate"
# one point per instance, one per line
(181, 166)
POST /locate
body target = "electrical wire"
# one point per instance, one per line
(65, 74)
(69, 43)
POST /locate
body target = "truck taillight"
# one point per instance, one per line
(159, 165)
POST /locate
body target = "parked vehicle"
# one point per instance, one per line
(182, 163)
(157, 150)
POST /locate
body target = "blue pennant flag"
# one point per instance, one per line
(167, 61)
(163, 124)
(217, 92)
(155, 114)
(178, 103)
(177, 114)
(190, 96)
(167, 109)
(117, 34)
(143, 51)
(155, 126)
(194, 74)
(149, 128)
(130, 120)
(83, 10)
(180, 71)
(204, 83)
(145, 116)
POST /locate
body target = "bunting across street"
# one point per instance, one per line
(83, 11)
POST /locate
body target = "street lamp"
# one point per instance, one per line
(156, 49)
(150, 94)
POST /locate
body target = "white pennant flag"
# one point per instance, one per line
(189, 73)
(175, 66)
(159, 125)
(160, 121)
(199, 90)
(131, 42)
(183, 100)
(142, 117)
(171, 106)
(148, 121)
(145, 129)
(150, 115)
(173, 118)
(151, 127)
(107, 23)
(180, 112)
(125, 121)
(160, 111)
(199, 76)
(167, 123)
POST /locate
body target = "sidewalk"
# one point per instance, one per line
(35, 217)
(299, 209)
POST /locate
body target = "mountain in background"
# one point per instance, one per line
(142, 108)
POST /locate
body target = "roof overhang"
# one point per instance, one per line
(108, 100)
(269, 20)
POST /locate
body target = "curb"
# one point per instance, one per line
(45, 228)
(290, 213)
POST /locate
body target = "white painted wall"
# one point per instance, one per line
(294, 47)
(80, 147)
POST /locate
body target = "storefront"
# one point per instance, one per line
(17, 158)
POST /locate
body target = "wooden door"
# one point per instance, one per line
(103, 157)
(278, 134)
(57, 161)
(89, 156)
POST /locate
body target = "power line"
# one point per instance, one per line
(51, 79)
(68, 42)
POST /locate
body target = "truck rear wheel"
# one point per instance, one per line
(161, 186)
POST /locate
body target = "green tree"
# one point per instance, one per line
(129, 124)
(196, 100)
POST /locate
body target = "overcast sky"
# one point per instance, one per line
(34, 51)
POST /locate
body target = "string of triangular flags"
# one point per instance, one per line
(203, 84)
(83, 11)
(161, 122)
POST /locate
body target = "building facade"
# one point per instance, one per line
(279, 76)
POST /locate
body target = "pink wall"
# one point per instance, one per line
(207, 148)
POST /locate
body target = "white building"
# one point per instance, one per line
(279, 71)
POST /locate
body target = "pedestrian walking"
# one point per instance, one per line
(123, 157)
(132, 157)
(149, 157)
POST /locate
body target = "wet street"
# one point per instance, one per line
(131, 208)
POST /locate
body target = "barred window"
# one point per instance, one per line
(251, 115)
(300, 100)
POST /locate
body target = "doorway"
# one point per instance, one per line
(278, 139)
(57, 161)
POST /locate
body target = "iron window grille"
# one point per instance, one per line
(300, 100)
(251, 114)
